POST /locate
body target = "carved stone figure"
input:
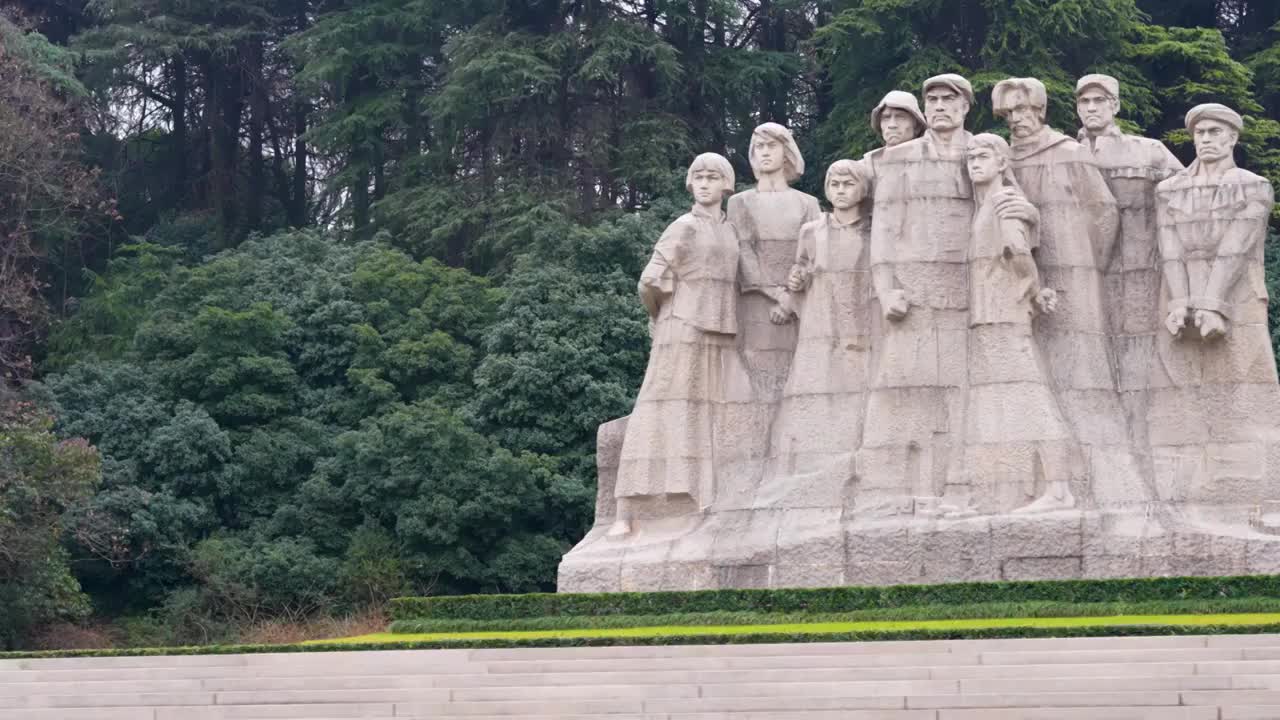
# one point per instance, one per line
(919, 239)
(819, 421)
(1016, 436)
(952, 408)
(1078, 226)
(896, 119)
(1214, 419)
(690, 289)
(768, 219)
(1132, 166)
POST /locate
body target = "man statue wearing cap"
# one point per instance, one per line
(1078, 225)
(1214, 415)
(1132, 166)
(896, 119)
(920, 234)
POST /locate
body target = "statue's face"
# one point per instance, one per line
(985, 164)
(1097, 109)
(708, 187)
(1214, 140)
(845, 192)
(944, 108)
(896, 126)
(768, 155)
(1024, 120)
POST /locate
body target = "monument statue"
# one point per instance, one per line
(1015, 431)
(1214, 417)
(1078, 230)
(690, 289)
(920, 236)
(768, 218)
(1132, 166)
(1042, 358)
(818, 423)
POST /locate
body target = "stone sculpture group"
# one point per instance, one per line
(1044, 357)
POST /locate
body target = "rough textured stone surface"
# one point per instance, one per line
(1039, 358)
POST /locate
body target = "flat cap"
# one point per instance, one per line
(1214, 111)
(953, 81)
(1109, 85)
(902, 101)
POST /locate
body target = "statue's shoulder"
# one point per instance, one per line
(813, 227)
(684, 226)
(807, 198)
(913, 149)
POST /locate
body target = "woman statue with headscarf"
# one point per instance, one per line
(690, 289)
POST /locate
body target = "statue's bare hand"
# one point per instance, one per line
(896, 306)
(796, 280)
(1175, 321)
(1211, 324)
(779, 315)
(1047, 299)
(1011, 205)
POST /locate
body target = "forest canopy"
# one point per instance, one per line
(305, 304)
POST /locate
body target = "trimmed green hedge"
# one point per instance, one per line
(980, 611)
(727, 639)
(830, 600)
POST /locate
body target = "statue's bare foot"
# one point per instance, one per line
(620, 528)
(1056, 497)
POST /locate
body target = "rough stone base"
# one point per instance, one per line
(775, 548)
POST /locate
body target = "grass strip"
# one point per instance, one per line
(925, 612)
(827, 627)
(775, 637)
(832, 600)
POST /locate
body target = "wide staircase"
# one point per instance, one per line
(1137, 678)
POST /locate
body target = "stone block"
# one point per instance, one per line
(747, 539)
(1051, 535)
(1134, 357)
(812, 537)
(889, 572)
(1042, 568)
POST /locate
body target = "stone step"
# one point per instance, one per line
(1155, 678)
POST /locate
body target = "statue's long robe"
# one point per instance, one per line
(920, 232)
(818, 426)
(1214, 417)
(1017, 442)
(1078, 228)
(694, 373)
(768, 225)
(1133, 166)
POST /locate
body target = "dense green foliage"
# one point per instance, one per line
(344, 287)
(831, 600)
(41, 477)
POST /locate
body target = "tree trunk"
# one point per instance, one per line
(257, 122)
(298, 210)
(178, 138)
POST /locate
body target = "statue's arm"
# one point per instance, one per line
(1235, 248)
(1104, 210)
(657, 280)
(1173, 264)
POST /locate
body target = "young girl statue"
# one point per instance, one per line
(819, 421)
(690, 289)
(1017, 443)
